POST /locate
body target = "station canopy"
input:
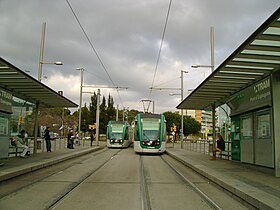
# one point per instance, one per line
(27, 88)
(255, 59)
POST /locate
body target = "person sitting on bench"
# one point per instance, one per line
(20, 143)
(220, 143)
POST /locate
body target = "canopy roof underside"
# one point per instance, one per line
(27, 88)
(255, 59)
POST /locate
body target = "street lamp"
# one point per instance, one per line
(41, 62)
(81, 97)
(182, 117)
(182, 97)
(212, 69)
(212, 52)
(203, 66)
(174, 94)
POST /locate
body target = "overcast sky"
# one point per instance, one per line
(127, 36)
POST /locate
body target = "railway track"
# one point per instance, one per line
(149, 203)
(81, 181)
(145, 199)
(188, 182)
(119, 179)
(35, 176)
(165, 180)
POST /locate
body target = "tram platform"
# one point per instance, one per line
(256, 185)
(16, 166)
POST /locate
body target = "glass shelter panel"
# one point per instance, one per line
(263, 126)
(247, 143)
(264, 149)
(247, 127)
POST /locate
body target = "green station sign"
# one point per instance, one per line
(5, 101)
(253, 97)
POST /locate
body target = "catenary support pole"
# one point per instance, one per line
(97, 117)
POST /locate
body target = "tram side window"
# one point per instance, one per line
(107, 133)
(126, 133)
(136, 132)
(164, 133)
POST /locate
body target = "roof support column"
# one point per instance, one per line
(276, 121)
(36, 128)
(97, 117)
(214, 130)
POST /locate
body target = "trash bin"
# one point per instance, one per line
(210, 148)
(39, 144)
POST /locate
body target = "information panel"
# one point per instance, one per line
(253, 97)
(4, 126)
(5, 101)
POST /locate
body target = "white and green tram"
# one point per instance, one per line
(149, 133)
(118, 134)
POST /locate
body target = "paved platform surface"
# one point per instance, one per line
(15, 166)
(259, 188)
(254, 184)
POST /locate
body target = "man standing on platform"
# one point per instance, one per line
(48, 139)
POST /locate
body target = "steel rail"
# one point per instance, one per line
(74, 186)
(145, 198)
(189, 183)
(95, 153)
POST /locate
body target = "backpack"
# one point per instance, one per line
(13, 142)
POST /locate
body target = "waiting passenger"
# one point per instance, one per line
(91, 137)
(48, 139)
(221, 145)
(20, 143)
(70, 139)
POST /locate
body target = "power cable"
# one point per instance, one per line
(93, 48)
(160, 84)
(159, 52)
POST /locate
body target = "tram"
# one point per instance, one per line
(118, 134)
(149, 133)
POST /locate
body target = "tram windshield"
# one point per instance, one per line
(116, 136)
(117, 130)
(151, 129)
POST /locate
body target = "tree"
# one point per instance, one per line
(111, 111)
(103, 119)
(172, 118)
(191, 126)
(131, 115)
(85, 118)
(92, 108)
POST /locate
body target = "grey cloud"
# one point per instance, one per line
(126, 35)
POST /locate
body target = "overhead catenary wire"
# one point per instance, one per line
(117, 88)
(160, 48)
(160, 84)
(94, 50)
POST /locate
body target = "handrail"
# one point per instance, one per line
(205, 146)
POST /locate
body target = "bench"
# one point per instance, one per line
(224, 154)
(13, 150)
